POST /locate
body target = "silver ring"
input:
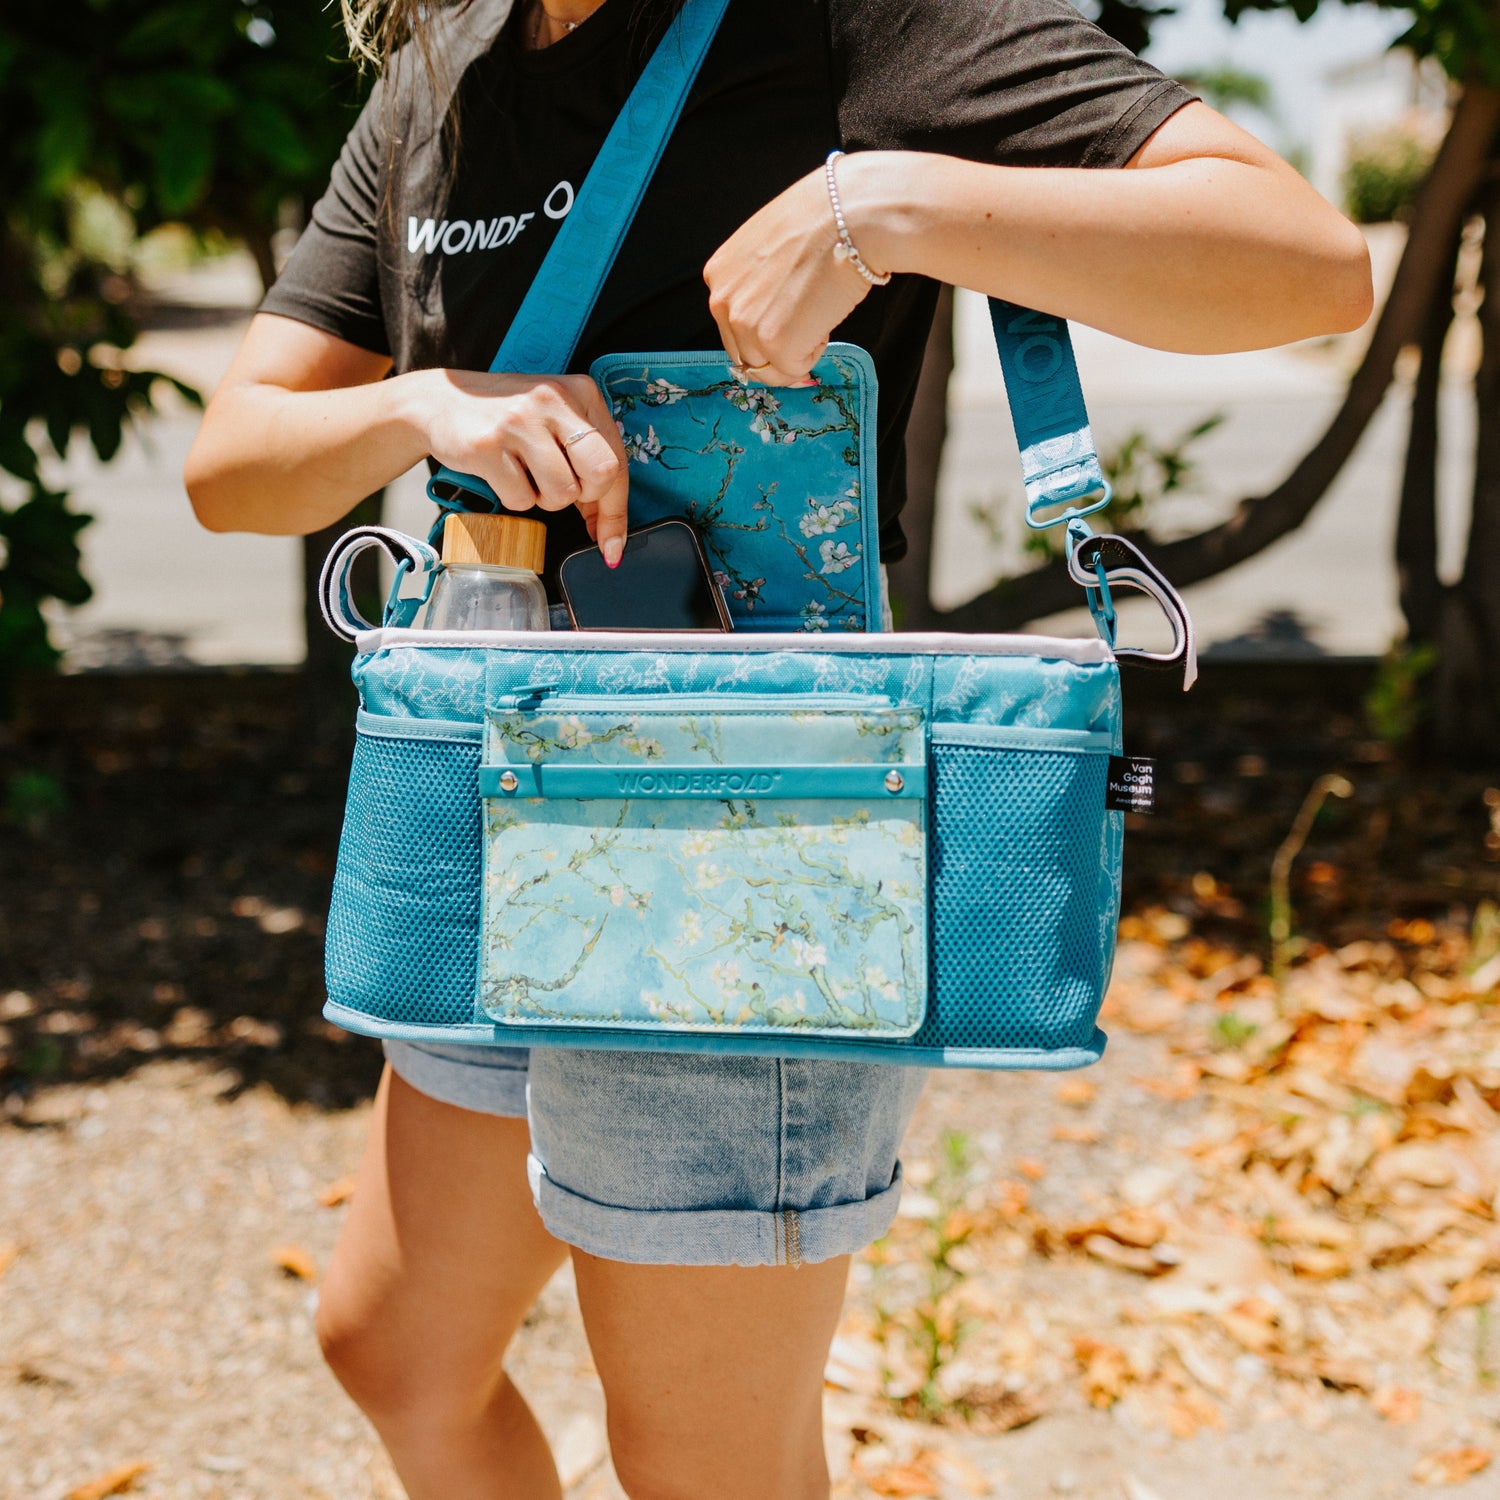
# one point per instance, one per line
(578, 437)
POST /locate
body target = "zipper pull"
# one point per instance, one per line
(532, 694)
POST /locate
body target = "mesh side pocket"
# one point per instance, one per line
(403, 931)
(1024, 898)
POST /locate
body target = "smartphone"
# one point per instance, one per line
(663, 583)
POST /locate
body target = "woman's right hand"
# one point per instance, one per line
(304, 425)
(539, 441)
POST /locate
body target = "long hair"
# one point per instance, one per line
(378, 29)
(384, 34)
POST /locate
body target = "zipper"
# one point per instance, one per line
(534, 699)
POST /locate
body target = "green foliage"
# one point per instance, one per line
(1141, 473)
(34, 800)
(932, 1325)
(46, 1058)
(1463, 35)
(1385, 171)
(1224, 86)
(1231, 1030)
(1128, 21)
(1484, 937)
(117, 116)
(1396, 704)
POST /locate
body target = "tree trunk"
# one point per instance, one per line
(1450, 187)
(258, 242)
(1468, 686)
(1416, 524)
(926, 432)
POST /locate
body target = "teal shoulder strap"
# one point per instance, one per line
(1059, 462)
(545, 331)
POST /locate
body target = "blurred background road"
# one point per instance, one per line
(169, 592)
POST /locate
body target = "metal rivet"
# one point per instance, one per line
(894, 781)
(509, 781)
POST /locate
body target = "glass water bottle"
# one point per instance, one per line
(489, 579)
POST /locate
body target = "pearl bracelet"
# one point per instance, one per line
(845, 250)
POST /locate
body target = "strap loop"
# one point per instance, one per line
(417, 567)
(1100, 563)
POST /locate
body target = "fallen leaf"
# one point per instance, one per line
(1191, 1411)
(959, 1470)
(1011, 1197)
(1321, 1230)
(1176, 1089)
(853, 1365)
(1148, 1184)
(1320, 1265)
(993, 1409)
(1106, 1371)
(1018, 1346)
(1253, 1324)
(1425, 1164)
(1473, 1291)
(912, 1479)
(1398, 1404)
(337, 1192)
(1125, 1257)
(1031, 1168)
(1229, 1066)
(580, 1449)
(1077, 1091)
(1452, 1466)
(959, 1225)
(116, 1482)
(1131, 1226)
(1150, 1012)
(1079, 1135)
(35, 1372)
(1419, 932)
(8, 1253)
(1343, 1374)
(295, 1261)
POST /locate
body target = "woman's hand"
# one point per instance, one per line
(775, 288)
(539, 441)
(304, 425)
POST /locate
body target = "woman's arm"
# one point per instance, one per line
(305, 425)
(1209, 243)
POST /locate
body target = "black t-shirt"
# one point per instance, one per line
(425, 253)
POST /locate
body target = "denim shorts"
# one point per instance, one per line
(668, 1159)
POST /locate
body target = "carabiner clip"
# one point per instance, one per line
(1101, 601)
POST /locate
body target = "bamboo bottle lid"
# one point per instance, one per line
(502, 541)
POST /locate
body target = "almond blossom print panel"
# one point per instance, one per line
(778, 482)
(706, 913)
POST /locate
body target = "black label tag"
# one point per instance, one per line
(1132, 784)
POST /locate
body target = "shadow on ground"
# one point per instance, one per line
(164, 875)
(167, 850)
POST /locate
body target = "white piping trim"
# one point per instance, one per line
(1086, 652)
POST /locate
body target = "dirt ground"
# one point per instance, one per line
(1257, 1245)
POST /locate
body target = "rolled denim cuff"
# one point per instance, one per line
(712, 1237)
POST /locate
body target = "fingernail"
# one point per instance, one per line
(811, 380)
(612, 550)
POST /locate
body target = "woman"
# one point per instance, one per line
(710, 1205)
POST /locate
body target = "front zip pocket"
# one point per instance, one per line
(706, 864)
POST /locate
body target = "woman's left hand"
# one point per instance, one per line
(775, 288)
